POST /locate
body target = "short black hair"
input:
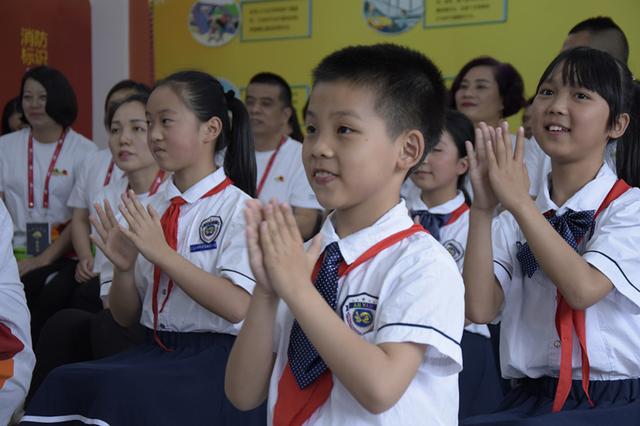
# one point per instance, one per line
(11, 107)
(134, 86)
(62, 104)
(275, 80)
(408, 86)
(600, 24)
(510, 83)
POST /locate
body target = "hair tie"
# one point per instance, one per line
(229, 96)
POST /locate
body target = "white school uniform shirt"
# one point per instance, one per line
(14, 315)
(13, 178)
(453, 237)
(539, 164)
(112, 193)
(229, 259)
(287, 181)
(529, 344)
(91, 179)
(418, 296)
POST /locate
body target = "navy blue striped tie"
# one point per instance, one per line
(306, 364)
(572, 227)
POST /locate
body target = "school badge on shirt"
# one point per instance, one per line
(359, 311)
(455, 249)
(209, 230)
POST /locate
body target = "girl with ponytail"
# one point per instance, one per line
(180, 268)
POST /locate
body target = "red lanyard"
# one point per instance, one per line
(107, 178)
(269, 166)
(52, 165)
(157, 181)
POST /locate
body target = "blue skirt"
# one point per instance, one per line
(617, 402)
(479, 381)
(145, 386)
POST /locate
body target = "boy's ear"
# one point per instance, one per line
(619, 127)
(411, 150)
(212, 129)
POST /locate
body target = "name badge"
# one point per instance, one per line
(38, 238)
(203, 247)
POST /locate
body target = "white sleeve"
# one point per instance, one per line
(612, 248)
(425, 304)
(534, 159)
(233, 261)
(79, 197)
(302, 195)
(14, 321)
(504, 232)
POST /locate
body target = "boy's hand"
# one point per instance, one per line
(145, 230)
(253, 218)
(286, 262)
(111, 240)
(507, 172)
(483, 195)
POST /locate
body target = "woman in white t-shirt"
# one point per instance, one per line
(38, 167)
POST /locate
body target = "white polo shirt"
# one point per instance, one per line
(221, 213)
(529, 344)
(14, 315)
(418, 296)
(91, 179)
(287, 181)
(113, 193)
(14, 179)
(453, 237)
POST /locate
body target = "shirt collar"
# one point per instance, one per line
(196, 192)
(589, 197)
(416, 203)
(353, 246)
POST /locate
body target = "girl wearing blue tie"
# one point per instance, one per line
(561, 271)
(441, 207)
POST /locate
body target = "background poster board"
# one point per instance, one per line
(277, 36)
(52, 32)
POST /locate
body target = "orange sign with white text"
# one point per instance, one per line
(56, 33)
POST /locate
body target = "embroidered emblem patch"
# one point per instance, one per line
(210, 229)
(359, 311)
(455, 249)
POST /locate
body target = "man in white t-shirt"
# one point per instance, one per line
(280, 173)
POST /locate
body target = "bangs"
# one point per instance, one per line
(592, 70)
(583, 67)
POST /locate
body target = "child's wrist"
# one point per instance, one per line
(264, 294)
(482, 211)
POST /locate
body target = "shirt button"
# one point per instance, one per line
(162, 326)
(557, 343)
(164, 291)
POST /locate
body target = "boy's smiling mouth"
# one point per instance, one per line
(323, 177)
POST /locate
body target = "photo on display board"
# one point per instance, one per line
(214, 23)
(393, 16)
